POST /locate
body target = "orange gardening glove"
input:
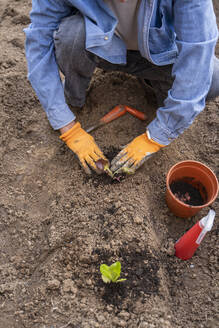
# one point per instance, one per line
(135, 154)
(84, 146)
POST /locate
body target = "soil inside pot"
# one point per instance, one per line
(186, 193)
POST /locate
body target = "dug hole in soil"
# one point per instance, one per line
(57, 226)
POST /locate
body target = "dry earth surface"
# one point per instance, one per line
(57, 226)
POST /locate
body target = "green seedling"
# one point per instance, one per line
(103, 166)
(111, 273)
(127, 170)
(108, 171)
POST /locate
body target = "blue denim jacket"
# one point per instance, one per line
(179, 32)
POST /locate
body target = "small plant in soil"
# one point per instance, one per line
(111, 273)
(103, 166)
(118, 176)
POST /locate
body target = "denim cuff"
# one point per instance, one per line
(160, 134)
(60, 117)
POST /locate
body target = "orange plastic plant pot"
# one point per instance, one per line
(201, 177)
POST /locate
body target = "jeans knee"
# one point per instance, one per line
(214, 89)
(69, 39)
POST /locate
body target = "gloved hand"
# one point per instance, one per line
(135, 154)
(84, 146)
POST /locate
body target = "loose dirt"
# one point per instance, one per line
(186, 193)
(57, 226)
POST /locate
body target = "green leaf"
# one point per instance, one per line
(127, 170)
(105, 270)
(114, 276)
(105, 279)
(111, 273)
(120, 280)
(116, 267)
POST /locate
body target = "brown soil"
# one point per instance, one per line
(186, 193)
(57, 226)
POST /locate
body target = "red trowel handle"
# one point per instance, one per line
(136, 113)
(116, 112)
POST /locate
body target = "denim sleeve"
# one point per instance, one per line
(43, 72)
(196, 36)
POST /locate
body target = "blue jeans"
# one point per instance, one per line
(78, 65)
